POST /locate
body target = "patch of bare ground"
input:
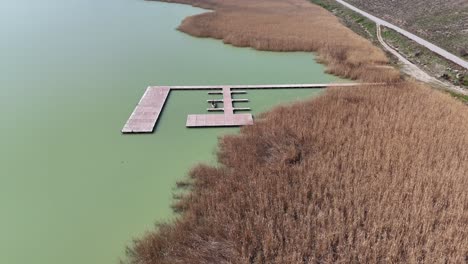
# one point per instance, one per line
(360, 175)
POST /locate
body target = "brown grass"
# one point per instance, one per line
(291, 25)
(361, 175)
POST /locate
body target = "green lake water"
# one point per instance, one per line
(73, 190)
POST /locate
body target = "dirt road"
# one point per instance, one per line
(425, 43)
(409, 68)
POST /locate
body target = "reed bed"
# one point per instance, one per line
(291, 25)
(360, 175)
(369, 174)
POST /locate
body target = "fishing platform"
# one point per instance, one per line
(146, 114)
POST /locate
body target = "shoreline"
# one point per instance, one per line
(344, 53)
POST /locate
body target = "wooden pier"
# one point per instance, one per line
(266, 86)
(219, 120)
(147, 112)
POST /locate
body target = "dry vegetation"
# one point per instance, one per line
(372, 174)
(291, 25)
(361, 175)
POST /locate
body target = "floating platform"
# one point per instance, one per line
(146, 113)
(241, 109)
(221, 100)
(219, 120)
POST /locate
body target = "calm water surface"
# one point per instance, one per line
(72, 188)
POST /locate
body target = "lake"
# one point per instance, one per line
(73, 189)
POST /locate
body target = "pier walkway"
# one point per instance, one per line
(147, 112)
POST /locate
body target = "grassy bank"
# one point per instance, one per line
(355, 21)
(463, 98)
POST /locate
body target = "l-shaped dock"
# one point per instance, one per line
(146, 113)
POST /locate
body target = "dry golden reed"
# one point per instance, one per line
(370, 174)
(357, 175)
(291, 25)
